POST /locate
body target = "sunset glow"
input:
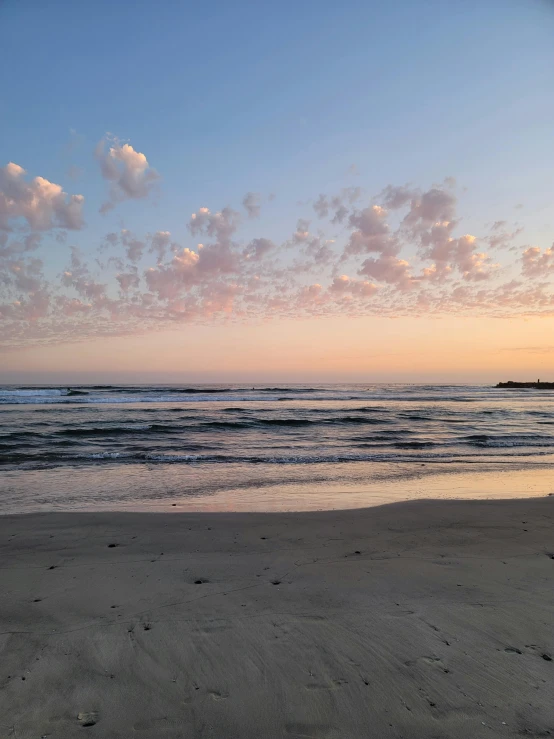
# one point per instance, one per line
(371, 258)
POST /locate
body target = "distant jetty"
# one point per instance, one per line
(538, 385)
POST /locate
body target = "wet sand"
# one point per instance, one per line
(421, 619)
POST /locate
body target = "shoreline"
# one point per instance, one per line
(404, 483)
(423, 618)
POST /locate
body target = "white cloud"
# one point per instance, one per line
(43, 204)
(127, 170)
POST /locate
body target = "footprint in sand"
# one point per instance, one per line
(217, 695)
(87, 718)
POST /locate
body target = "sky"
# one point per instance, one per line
(303, 191)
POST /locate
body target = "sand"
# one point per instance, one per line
(424, 619)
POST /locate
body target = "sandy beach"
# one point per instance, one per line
(423, 619)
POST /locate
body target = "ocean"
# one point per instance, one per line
(293, 447)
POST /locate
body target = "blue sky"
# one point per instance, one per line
(282, 98)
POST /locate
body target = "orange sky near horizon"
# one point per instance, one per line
(448, 349)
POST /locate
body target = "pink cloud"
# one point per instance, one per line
(388, 268)
(472, 264)
(41, 203)
(127, 280)
(127, 170)
(395, 197)
(78, 277)
(33, 307)
(310, 295)
(449, 254)
(159, 244)
(302, 232)
(257, 249)
(408, 255)
(537, 263)
(73, 306)
(337, 204)
(345, 284)
(434, 205)
(26, 275)
(372, 232)
(221, 224)
(133, 247)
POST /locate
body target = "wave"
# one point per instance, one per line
(190, 424)
(110, 430)
(335, 391)
(382, 440)
(40, 444)
(53, 459)
(198, 391)
(253, 422)
(358, 419)
(288, 390)
(31, 392)
(291, 422)
(414, 444)
(159, 388)
(389, 435)
(226, 424)
(101, 431)
(284, 422)
(415, 417)
(499, 441)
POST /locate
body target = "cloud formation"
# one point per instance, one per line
(337, 205)
(538, 263)
(41, 203)
(221, 225)
(252, 204)
(128, 172)
(404, 251)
